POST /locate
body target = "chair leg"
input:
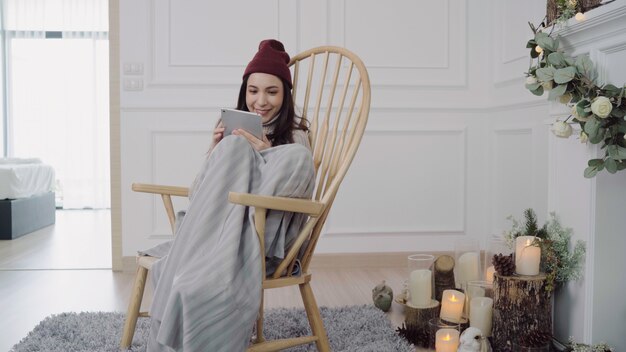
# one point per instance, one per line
(133, 307)
(259, 321)
(315, 319)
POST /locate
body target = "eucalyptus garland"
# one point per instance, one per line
(599, 110)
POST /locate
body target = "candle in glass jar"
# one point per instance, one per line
(446, 340)
(489, 275)
(452, 305)
(468, 264)
(527, 256)
(420, 287)
(481, 311)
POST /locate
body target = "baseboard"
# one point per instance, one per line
(364, 260)
(336, 260)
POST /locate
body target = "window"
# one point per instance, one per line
(57, 93)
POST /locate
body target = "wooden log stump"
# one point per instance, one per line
(417, 318)
(520, 304)
(444, 275)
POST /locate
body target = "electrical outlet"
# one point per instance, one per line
(133, 68)
(133, 84)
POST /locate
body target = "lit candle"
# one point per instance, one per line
(452, 305)
(446, 340)
(527, 256)
(489, 275)
(468, 268)
(480, 314)
(580, 16)
(420, 287)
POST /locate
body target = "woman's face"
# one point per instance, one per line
(264, 95)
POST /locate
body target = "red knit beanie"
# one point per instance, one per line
(271, 58)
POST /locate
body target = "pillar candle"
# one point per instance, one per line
(489, 275)
(481, 312)
(452, 305)
(468, 268)
(420, 287)
(446, 340)
(527, 256)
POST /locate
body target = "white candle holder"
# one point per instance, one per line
(495, 245)
(436, 324)
(421, 280)
(467, 261)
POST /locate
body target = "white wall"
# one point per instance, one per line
(454, 144)
(461, 155)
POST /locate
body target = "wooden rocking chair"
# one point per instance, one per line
(336, 80)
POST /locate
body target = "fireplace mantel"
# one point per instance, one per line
(594, 309)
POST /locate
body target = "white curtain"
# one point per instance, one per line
(58, 96)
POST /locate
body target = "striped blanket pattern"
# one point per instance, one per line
(208, 286)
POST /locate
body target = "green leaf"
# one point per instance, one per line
(538, 91)
(584, 65)
(616, 152)
(591, 127)
(557, 91)
(540, 35)
(582, 108)
(546, 74)
(595, 162)
(557, 59)
(531, 44)
(569, 61)
(621, 165)
(611, 165)
(610, 90)
(533, 86)
(598, 137)
(546, 43)
(564, 75)
(618, 112)
(591, 171)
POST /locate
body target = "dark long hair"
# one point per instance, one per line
(287, 120)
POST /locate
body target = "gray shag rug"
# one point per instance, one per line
(352, 328)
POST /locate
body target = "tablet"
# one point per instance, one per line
(249, 121)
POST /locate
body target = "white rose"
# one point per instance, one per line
(562, 129)
(583, 137)
(531, 80)
(547, 85)
(601, 107)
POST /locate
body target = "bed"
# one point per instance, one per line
(26, 196)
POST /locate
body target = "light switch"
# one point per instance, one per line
(133, 68)
(133, 84)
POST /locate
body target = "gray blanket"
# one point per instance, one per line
(208, 286)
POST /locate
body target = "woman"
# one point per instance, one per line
(208, 286)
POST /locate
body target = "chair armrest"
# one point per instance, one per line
(160, 189)
(295, 205)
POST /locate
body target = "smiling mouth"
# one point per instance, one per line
(261, 112)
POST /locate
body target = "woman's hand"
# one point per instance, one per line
(257, 144)
(218, 133)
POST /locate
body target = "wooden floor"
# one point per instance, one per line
(48, 274)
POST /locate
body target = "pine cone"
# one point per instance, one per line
(535, 338)
(417, 335)
(504, 264)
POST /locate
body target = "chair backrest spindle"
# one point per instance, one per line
(335, 130)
